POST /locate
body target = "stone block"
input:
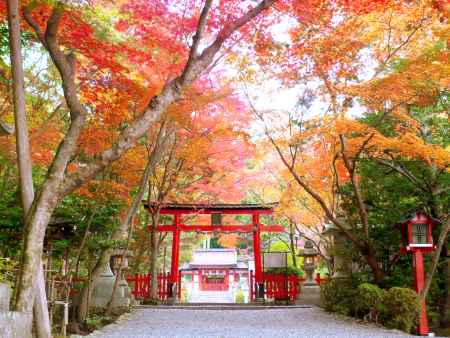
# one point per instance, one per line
(309, 295)
(15, 324)
(103, 290)
(5, 297)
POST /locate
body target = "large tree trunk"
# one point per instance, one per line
(40, 308)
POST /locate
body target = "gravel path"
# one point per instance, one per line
(294, 322)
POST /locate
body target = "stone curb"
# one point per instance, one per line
(221, 307)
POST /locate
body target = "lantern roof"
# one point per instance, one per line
(119, 252)
(308, 250)
(416, 215)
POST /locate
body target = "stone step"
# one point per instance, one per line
(211, 297)
(223, 306)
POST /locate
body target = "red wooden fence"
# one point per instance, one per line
(141, 285)
(277, 286)
(320, 280)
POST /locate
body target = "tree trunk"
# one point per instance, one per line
(82, 244)
(40, 307)
(292, 241)
(445, 307)
(443, 237)
(371, 260)
(20, 118)
(154, 257)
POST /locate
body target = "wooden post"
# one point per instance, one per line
(164, 259)
(175, 256)
(251, 284)
(419, 284)
(257, 253)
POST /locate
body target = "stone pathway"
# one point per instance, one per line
(195, 322)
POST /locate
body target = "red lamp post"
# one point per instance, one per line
(417, 238)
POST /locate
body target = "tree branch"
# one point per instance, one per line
(196, 39)
(158, 104)
(359, 199)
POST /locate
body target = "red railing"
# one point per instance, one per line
(281, 286)
(214, 287)
(277, 286)
(320, 280)
(141, 285)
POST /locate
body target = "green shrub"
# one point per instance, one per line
(402, 308)
(369, 301)
(397, 308)
(338, 295)
(239, 296)
(185, 296)
(7, 266)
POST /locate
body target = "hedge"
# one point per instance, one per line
(397, 307)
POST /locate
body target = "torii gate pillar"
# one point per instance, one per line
(257, 255)
(175, 257)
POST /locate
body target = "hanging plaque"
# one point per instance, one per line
(274, 259)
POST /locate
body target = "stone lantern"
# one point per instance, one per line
(309, 255)
(119, 261)
(342, 268)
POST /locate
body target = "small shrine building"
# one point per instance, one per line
(216, 270)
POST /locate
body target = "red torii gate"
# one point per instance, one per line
(178, 210)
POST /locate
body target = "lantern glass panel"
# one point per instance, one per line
(420, 233)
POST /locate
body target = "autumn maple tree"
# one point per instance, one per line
(392, 59)
(159, 100)
(82, 58)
